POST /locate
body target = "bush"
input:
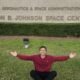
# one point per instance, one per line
(58, 30)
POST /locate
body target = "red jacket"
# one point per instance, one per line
(43, 65)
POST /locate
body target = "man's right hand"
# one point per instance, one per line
(13, 53)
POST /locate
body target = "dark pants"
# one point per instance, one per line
(36, 75)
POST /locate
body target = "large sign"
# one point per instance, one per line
(40, 11)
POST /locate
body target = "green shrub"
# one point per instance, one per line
(37, 29)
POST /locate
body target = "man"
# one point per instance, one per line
(43, 63)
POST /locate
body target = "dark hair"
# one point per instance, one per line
(43, 47)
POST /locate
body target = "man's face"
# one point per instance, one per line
(43, 51)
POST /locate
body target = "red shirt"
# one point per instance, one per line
(43, 65)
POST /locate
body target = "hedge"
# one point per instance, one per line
(37, 29)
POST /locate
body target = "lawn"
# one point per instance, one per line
(12, 68)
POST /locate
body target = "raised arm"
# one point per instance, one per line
(64, 58)
(23, 57)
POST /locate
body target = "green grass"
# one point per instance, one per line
(12, 68)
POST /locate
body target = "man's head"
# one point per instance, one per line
(43, 50)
